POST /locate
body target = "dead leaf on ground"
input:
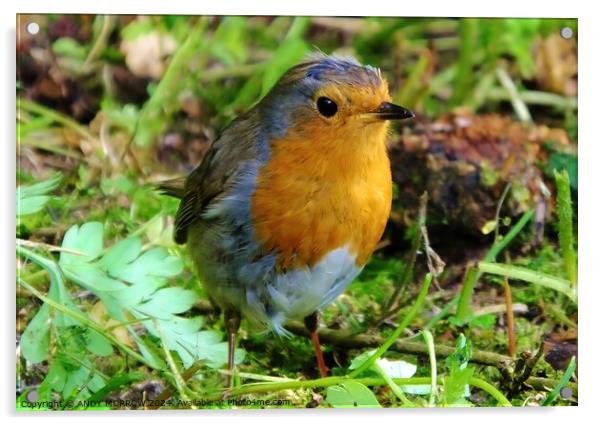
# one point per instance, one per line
(556, 62)
(146, 55)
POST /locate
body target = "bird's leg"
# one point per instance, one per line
(232, 319)
(311, 323)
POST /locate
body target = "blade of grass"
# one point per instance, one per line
(405, 322)
(468, 45)
(273, 387)
(409, 93)
(115, 384)
(565, 225)
(101, 41)
(394, 387)
(473, 275)
(522, 112)
(513, 272)
(168, 87)
(64, 120)
(562, 383)
(532, 97)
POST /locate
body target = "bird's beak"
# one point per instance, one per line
(390, 111)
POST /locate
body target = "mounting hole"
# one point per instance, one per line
(32, 396)
(32, 28)
(566, 33)
(566, 392)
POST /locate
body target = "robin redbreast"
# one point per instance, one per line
(291, 199)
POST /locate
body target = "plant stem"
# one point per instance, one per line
(405, 322)
(428, 338)
(101, 41)
(409, 94)
(532, 97)
(463, 311)
(55, 116)
(491, 390)
(179, 381)
(407, 271)
(509, 319)
(522, 112)
(168, 87)
(394, 387)
(345, 340)
(443, 313)
(338, 380)
(509, 237)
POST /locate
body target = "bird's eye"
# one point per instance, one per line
(326, 106)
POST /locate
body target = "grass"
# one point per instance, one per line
(565, 225)
(88, 342)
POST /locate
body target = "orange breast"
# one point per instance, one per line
(319, 192)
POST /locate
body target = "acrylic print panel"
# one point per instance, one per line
(413, 180)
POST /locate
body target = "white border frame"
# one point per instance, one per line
(590, 98)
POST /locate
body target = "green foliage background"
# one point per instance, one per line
(108, 305)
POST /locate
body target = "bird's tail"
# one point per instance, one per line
(174, 187)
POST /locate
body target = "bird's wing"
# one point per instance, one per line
(218, 170)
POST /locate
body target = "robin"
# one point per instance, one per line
(292, 197)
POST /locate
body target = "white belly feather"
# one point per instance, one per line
(298, 293)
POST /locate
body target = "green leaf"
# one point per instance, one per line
(120, 254)
(98, 344)
(454, 386)
(153, 263)
(91, 277)
(34, 340)
(86, 239)
(351, 394)
(166, 302)
(484, 321)
(82, 382)
(461, 355)
(358, 361)
(137, 28)
(228, 43)
(115, 383)
(131, 283)
(31, 199)
(564, 161)
(403, 369)
(54, 381)
(31, 205)
(66, 46)
(149, 353)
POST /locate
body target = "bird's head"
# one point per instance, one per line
(331, 98)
